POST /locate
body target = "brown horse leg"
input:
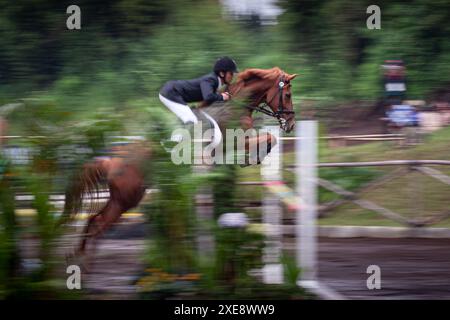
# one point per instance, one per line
(89, 225)
(86, 232)
(100, 222)
(266, 141)
(96, 226)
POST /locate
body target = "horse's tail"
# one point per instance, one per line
(85, 185)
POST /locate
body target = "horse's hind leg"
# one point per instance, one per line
(91, 224)
(100, 222)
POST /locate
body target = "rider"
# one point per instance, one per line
(176, 94)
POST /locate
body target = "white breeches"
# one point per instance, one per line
(185, 114)
(182, 111)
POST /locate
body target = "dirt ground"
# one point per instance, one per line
(117, 264)
(410, 268)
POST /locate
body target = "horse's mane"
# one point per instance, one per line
(245, 78)
(249, 74)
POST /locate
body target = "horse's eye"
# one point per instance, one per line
(288, 95)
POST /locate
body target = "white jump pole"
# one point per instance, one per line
(306, 227)
(306, 158)
(272, 213)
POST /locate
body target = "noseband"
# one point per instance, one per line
(265, 106)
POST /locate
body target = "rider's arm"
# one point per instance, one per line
(208, 91)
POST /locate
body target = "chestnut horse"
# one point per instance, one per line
(267, 91)
(123, 173)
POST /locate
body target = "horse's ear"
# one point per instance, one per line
(291, 76)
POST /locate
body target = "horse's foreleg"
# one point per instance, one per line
(269, 141)
(262, 145)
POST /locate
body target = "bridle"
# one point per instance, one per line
(264, 107)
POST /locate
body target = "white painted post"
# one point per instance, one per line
(272, 213)
(205, 217)
(306, 229)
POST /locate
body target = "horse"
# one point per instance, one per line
(267, 91)
(258, 90)
(123, 174)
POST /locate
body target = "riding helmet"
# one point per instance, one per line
(225, 64)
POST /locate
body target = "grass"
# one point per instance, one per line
(411, 195)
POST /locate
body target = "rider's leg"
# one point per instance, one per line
(186, 115)
(217, 134)
(182, 111)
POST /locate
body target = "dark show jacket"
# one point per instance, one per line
(195, 90)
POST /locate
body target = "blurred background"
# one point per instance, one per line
(67, 96)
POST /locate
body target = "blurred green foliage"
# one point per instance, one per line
(128, 49)
(52, 135)
(80, 87)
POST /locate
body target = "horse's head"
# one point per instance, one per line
(279, 99)
(271, 87)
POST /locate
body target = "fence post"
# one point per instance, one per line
(272, 213)
(306, 230)
(205, 217)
